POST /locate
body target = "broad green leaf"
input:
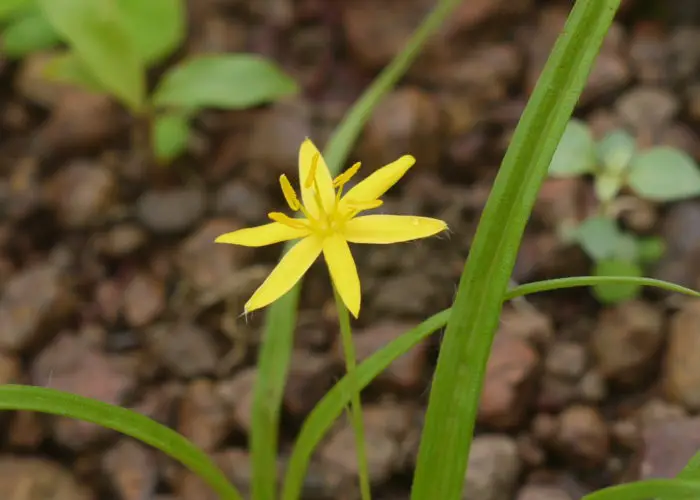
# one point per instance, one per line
(10, 8)
(613, 292)
(66, 67)
(280, 319)
(331, 406)
(97, 34)
(575, 154)
(157, 27)
(615, 151)
(650, 249)
(171, 133)
(28, 33)
(466, 344)
(664, 174)
(607, 185)
(598, 237)
(131, 423)
(228, 81)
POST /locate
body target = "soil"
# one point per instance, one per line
(111, 286)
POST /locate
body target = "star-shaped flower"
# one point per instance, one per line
(330, 221)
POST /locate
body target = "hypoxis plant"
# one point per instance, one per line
(469, 325)
(620, 169)
(113, 43)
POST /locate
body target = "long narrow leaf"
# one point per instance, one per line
(52, 401)
(280, 320)
(456, 389)
(643, 490)
(331, 406)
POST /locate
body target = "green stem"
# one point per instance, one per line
(355, 403)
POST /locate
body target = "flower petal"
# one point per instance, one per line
(324, 181)
(288, 271)
(383, 229)
(380, 181)
(343, 272)
(260, 236)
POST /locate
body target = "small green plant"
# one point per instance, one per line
(112, 44)
(658, 174)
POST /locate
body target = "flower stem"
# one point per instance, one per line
(355, 404)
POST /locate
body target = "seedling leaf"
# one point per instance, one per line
(156, 27)
(575, 154)
(66, 67)
(171, 132)
(598, 236)
(96, 31)
(664, 174)
(226, 81)
(30, 32)
(607, 185)
(616, 150)
(611, 293)
(651, 249)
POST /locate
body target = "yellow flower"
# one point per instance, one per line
(330, 222)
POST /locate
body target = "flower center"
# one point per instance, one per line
(327, 222)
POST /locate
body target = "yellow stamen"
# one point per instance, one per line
(311, 178)
(343, 178)
(286, 220)
(289, 194)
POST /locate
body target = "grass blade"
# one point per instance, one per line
(276, 348)
(131, 423)
(643, 490)
(456, 388)
(333, 403)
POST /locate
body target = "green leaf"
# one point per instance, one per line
(28, 33)
(627, 247)
(671, 489)
(664, 174)
(650, 249)
(459, 375)
(171, 133)
(616, 151)
(607, 185)
(157, 27)
(10, 8)
(331, 406)
(131, 423)
(228, 81)
(66, 67)
(575, 154)
(97, 34)
(613, 293)
(280, 319)
(598, 237)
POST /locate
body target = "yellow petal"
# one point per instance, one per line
(343, 272)
(323, 180)
(383, 229)
(380, 181)
(260, 236)
(288, 271)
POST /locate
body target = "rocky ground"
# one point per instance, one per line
(112, 287)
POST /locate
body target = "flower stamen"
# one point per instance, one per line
(340, 181)
(290, 195)
(287, 221)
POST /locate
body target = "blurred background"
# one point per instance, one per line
(111, 285)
